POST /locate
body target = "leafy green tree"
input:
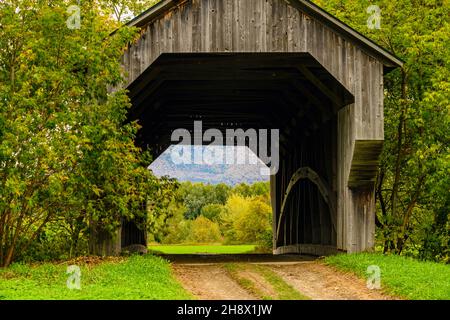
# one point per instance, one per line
(212, 212)
(65, 154)
(204, 230)
(246, 220)
(124, 10)
(413, 181)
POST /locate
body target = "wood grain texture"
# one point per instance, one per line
(356, 131)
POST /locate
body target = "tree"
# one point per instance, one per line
(204, 230)
(65, 153)
(246, 220)
(413, 180)
(124, 10)
(212, 212)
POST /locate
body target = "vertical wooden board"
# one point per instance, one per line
(226, 24)
(143, 51)
(263, 23)
(343, 63)
(164, 25)
(366, 107)
(380, 114)
(370, 224)
(378, 100)
(220, 25)
(154, 41)
(136, 61)
(150, 56)
(255, 26)
(340, 178)
(335, 53)
(243, 26)
(205, 25)
(291, 23)
(275, 28)
(304, 32)
(196, 26)
(213, 26)
(268, 23)
(358, 92)
(125, 62)
(283, 31)
(235, 25)
(185, 28)
(175, 30)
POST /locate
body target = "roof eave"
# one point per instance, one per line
(390, 61)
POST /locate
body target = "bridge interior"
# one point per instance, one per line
(291, 92)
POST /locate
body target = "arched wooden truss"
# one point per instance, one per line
(324, 189)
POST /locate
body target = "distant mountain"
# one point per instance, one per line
(168, 164)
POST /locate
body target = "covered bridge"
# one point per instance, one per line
(284, 64)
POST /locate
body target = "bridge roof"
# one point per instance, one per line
(389, 60)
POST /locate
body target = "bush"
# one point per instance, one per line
(247, 220)
(204, 230)
(212, 212)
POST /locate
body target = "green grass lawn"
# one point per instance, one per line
(138, 277)
(400, 276)
(209, 249)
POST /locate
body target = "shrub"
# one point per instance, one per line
(204, 230)
(212, 212)
(246, 220)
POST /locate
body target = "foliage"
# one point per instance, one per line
(204, 230)
(212, 212)
(124, 10)
(413, 182)
(138, 277)
(240, 219)
(66, 158)
(255, 189)
(246, 220)
(400, 276)
(196, 196)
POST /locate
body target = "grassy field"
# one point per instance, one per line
(209, 249)
(400, 276)
(138, 277)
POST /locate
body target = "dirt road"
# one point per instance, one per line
(213, 281)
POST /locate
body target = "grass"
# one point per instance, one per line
(196, 249)
(246, 284)
(400, 276)
(138, 277)
(283, 290)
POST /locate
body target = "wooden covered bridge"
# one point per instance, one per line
(271, 64)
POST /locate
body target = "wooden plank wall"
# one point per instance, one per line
(275, 26)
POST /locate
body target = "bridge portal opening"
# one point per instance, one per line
(289, 92)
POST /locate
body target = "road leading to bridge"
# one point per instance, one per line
(208, 277)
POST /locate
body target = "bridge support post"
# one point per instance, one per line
(103, 243)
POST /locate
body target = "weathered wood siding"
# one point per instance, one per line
(276, 26)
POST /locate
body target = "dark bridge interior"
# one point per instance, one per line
(289, 92)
